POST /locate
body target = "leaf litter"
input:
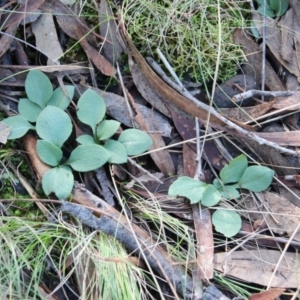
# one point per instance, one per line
(275, 213)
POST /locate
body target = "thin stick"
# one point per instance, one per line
(155, 66)
(170, 69)
(253, 93)
(198, 159)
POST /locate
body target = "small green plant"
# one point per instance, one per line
(45, 108)
(236, 175)
(274, 8)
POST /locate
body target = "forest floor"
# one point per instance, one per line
(149, 150)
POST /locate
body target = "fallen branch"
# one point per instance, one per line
(253, 93)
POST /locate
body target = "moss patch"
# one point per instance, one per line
(187, 32)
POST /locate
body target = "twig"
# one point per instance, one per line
(198, 158)
(155, 66)
(253, 93)
(170, 69)
(259, 236)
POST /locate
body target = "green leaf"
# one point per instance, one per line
(211, 196)
(135, 141)
(58, 180)
(85, 139)
(59, 98)
(88, 157)
(234, 170)
(18, 126)
(256, 178)
(91, 109)
(217, 183)
(189, 188)
(227, 222)
(38, 87)
(118, 154)
(29, 110)
(269, 12)
(49, 153)
(54, 125)
(261, 2)
(254, 31)
(106, 129)
(279, 6)
(229, 192)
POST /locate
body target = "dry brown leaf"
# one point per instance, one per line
(189, 160)
(162, 157)
(144, 88)
(257, 266)
(15, 17)
(290, 28)
(46, 38)
(108, 28)
(271, 294)
(205, 242)
(289, 138)
(77, 29)
(287, 36)
(69, 21)
(100, 62)
(254, 58)
(275, 43)
(6, 40)
(290, 103)
(145, 179)
(287, 214)
(246, 114)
